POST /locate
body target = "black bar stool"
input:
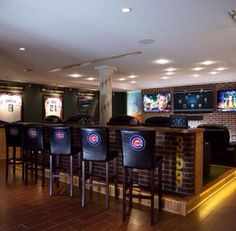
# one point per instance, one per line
(95, 148)
(33, 148)
(60, 145)
(138, 148)
(13, 134)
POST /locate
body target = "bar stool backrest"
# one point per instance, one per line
(60, 140)
(33, 137)
(95, 143)
(13, 133)
(138, 148)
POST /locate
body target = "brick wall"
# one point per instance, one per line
(226, 118)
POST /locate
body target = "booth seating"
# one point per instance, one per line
(159, 121)
(95, 148)
(13, 134)
(138, 149)
(79, 119)
(123, 120)
(223, 153)
(60, 145)
(206, 159)
(33, 148)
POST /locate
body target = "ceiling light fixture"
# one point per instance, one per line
(170, 73)
(165, 77)
(195, 75)
(90, 78)
(75, 75)
(121, 79)
(170, 69)
(197, 68)
(22, 49)
(126, 9)
(146, 41)
(133, 76)
(133, 82)
(162, 61)
(207, 62)
(220, 68)
(213, 72)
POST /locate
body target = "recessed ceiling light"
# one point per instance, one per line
(197, 68)
(75, 75)
(133, 76)
(207, 62)
(121, 79)
(90, 78)
(220, 68)
(170, 73)
(165, 77)
(195, 75)
(133, 82)
(213, 72)
(146, 41)
(162, 61)
(22, 49)
(170, 69)
(126, 9)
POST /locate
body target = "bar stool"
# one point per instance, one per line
(13, 134)
(60, 145)
(33, 147)
(95, 148)
(138, 148)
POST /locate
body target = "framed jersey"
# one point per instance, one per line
(53, 106)
(10, 107)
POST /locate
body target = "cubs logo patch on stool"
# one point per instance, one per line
(60, 135)
(13, 131)
(137, 143)
(93, 138)
(33, 133)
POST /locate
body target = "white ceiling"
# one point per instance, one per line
(62, 32)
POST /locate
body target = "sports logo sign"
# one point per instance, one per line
(137, 143)
(60, 135)
(33, 133)
(93, 138)
(13, 131)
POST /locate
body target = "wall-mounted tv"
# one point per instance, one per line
(193, 101)
(226, 100)
(159, 102)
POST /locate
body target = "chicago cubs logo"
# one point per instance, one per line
(59, 135)
(93, 138)
(137, 143)
(33, 133)
(13, 131)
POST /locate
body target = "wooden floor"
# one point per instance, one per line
(31, 208)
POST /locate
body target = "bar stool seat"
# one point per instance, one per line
(33, 148)
(138, 149)
(95, 148)
(13, 134)
(61, 146)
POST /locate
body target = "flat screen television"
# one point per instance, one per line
(226, 100)
(159, 102)
(193, 101)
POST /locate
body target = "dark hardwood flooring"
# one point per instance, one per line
(31, 208)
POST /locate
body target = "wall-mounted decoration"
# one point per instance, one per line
(10, 107)
(226, 100)
(53, 105)
(134, 105)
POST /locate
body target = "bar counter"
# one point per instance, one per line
(181, 149)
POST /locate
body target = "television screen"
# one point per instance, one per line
(226, 100)
(196, 101)
(159, 102)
